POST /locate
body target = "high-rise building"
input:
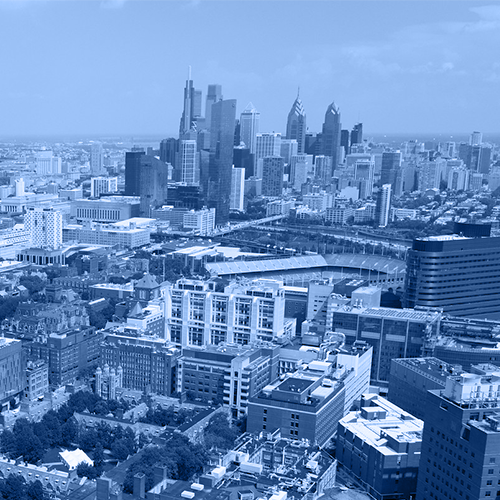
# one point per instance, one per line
(189, 162)
(168, 150)
(47, 163)
(191, 109)
(197, 315)
(300, 166)
(344, 142)
(272, 176)
(96, 159)
(289, 148)
(103, 185)
(323, 169)
(357, 134)
(221, 158)
(458, 275)
(242, 158)
(153, 184)
(476, 138)
(214, 94)
(296, 125)
(391, 166)
(237, 189)
(330, 137)
(461, 440)
(133, 172)
(249, 126)
(44, 226)
(383, 208)
(364, 176)
(266, 145)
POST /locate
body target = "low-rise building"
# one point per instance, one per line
(37, 380)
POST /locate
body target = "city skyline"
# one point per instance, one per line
(388, 65)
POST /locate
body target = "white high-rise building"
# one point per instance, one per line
(249, 126)
(197, 315)
(383, 207)
(237, 189)
(300, 166)
(476, 138)
(44, 226)
(47, 163)
(266, 145)
(96, 158)
(189, 164)
(103, 185)
(289, 148)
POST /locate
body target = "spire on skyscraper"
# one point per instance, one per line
(296, 123)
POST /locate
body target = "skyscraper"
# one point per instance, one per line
(153, 184)
(344, 141)
(266, 145)
(168, 150)
(189, 162)
(330, 137)
(383, 207)
(296, 124)
(391, 166)
(249, 126)
(96, 159)
(133, 172)
(272, 176)
(221, 157)
(214, 94)
(357, 134)
(476, 138)
(192, 107)
(237, 189)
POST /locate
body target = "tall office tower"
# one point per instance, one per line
(272, 176)
(391, 165)
(383, 207)
(461, 440)
(168, 150)
(44, 226)
(330, 136)
(300, 166)
(313, 144)
(484, 163)
(192, 107)
(221, 158)
(133, 172)
(364, 174)
(476, 139)
(458, 275)
(237, 189)
(266, 145)
(96, 159)
(103, 185)
(237, 128)
(296, 125)
(153, 184)
(242, 158)
(344, 142)
(214, 95)
(249, 126)
(189, 163)
(357, 134)
(323, 169)
(289, 148)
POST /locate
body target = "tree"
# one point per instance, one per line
(34, 284)
(120, 449)
(98, 455)
(85, 470)
(218, 433)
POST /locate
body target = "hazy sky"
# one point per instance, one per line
(91, 67)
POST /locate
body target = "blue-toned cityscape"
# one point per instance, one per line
(231, 312)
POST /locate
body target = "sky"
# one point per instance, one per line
(119, 66)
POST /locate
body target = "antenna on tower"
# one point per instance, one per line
(298, 91)
(189, 72)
